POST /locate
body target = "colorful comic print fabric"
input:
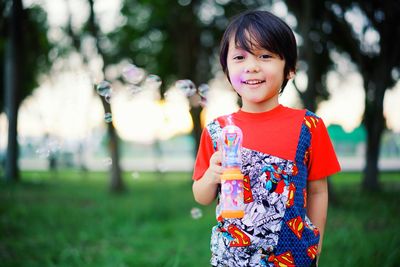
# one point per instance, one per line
(275, 230)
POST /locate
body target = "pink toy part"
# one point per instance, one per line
(231, 197)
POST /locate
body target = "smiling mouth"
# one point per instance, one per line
(253, 82)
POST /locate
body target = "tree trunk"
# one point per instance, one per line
(187, 54)
(374, 123)
(12, 88)
(314, 77)
(116, 182)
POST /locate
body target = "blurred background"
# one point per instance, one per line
(103, 102)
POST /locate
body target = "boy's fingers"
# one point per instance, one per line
(216, 158)
(218, 169)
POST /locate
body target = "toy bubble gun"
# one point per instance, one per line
(231, 198)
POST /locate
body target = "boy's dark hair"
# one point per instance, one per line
(261, 29)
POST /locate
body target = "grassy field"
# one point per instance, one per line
(71, 220)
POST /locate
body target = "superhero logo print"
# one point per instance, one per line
(265, 208)
(282, 260)
(292, 191)
(276, 178)
(240, 238)
(311, 121)
(297, 226)
(312, 251)
(248, 196)
(306, 158)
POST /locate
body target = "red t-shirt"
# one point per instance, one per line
(282, 149)
(276, 132)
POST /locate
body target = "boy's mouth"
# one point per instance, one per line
(252, 82)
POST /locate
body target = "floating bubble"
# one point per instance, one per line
(133, 74)
(203, 90)
(104, 88)
(43, 152)
(107, 161)
(196, 213)
(107, 97)
(134, 89)
(49, 148)
(161, 168)
(186, 86)
(153, 81)
(108, 117)
(203, 102)
(135, 175)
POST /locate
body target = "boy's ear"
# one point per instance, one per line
(290, 75)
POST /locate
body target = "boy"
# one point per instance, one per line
(286, 156)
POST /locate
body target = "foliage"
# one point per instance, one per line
(71, 220)
(173, 40)
(2, 49)
(35, 48)
(365, 30)
(315, 29)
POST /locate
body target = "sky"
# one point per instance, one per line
(66, 106)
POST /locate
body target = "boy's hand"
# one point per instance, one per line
(215, 169)
(205, 189)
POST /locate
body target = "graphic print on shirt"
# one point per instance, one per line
(251, 240)
(275, 230)
(297, 228)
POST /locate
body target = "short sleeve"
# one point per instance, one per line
(323, 161)
(206, 150)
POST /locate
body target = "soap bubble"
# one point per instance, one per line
(104, 88)
(49, 148)
(153, 81)
(108, 117)
(203, 90)
(107, 161)
(133, 74)
(160, 167)
(135, 175)
(167, 94)
(134, 89)
(107, 97)
(43, 152)
(196, 213)
(186, 86)
(203, 102)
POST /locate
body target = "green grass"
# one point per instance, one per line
(72, 220)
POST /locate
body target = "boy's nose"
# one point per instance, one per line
(252, 66)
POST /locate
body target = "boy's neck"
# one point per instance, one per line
(259, 107)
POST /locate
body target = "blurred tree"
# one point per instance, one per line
(91, 30)
(370, 33)
(23, 44)
(116, 182)
(314, 30)
(174, 39)
(314, 58)
(3, 32)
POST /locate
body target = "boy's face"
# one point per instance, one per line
(257, 77)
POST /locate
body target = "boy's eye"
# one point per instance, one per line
(265, 56)
(238, 57)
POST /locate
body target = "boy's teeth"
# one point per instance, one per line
(253, 82)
